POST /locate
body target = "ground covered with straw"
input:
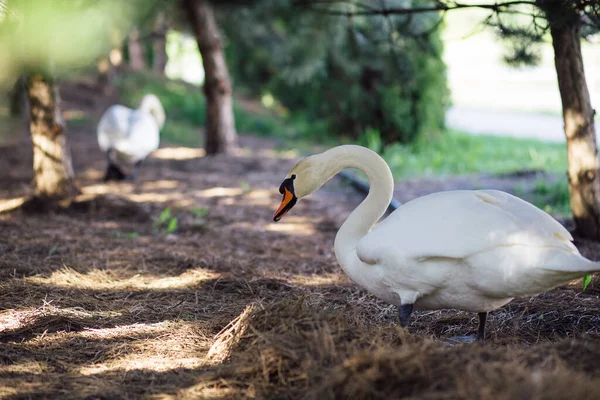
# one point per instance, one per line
(107, 298)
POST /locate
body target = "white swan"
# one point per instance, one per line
(128, 136)
(472, 250)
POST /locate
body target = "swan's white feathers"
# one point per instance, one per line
(457, 224)
(133, 134)
(471, 250)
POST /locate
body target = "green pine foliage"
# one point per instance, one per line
(525, 27)
(356, 74)
(61, 36)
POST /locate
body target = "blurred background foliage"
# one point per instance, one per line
(299, 76)
(356, 74)
(63, 35)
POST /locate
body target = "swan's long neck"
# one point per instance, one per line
(152, 105)
(360, 221)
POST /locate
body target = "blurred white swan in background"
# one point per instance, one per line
(472, 250)
(128, 136)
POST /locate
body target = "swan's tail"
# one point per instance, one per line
(571, 264)
(559, 268)
(527, 270)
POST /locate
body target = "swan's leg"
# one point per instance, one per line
(405, 312)
(481, 331)
(136, 171)
(107, 174)
(113, 172)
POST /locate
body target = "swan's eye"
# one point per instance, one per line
(287, 184)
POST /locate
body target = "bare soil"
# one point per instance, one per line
(99, 301)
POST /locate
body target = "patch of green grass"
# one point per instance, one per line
(456, 153)
(453, 153)
(585, 282)
(262, 125)
(125, 235)
(166, 222)
(81, 122)
(200, 212)
(181, 133)
(185, 107)
(552, 198)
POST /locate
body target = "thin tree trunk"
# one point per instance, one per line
(159, 44)
(221, 136)
(106, 73)
(17, 98)
(578, 115)
(137, 60)
(53, 172)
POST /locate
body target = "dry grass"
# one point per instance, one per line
(298, 349)
(97, 301)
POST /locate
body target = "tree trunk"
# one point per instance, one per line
(159, 44)
(53, 172)
(137, 60)
(17, 98)
(221, 136)
(106, 73)
(578, 115)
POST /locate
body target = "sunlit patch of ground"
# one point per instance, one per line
(218, 192)
(291, 227)
(98, 279)
(11, 204)
(168, 346)
(178, 153)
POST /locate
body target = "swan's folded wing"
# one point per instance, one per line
(457, 224)
(133, 133)
(113, 126)
(143, 136)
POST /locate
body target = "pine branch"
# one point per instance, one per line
(320, 6)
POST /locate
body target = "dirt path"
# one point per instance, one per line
(99, 301)
(507, 123)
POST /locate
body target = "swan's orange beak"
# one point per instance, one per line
(289, 200)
